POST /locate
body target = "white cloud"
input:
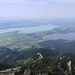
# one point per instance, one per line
(24, 1)
(63, 1)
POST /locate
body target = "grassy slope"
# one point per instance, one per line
(17, 40)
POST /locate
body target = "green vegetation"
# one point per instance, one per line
(49, 66)
(20, 52)
(15, 40)
(50, 48)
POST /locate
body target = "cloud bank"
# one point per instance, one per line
(24, 1)
(63, 1)
(36, 1)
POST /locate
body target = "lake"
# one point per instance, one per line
(69, 36)
(29, 29)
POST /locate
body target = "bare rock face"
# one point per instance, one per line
(69, 65)
(40, 55)
(27, 72)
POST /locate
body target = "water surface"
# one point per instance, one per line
(69, 36)
(29, 29)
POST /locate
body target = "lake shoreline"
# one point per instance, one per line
(29, 29)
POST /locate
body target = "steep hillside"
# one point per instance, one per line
(7, 55)
(49, 66)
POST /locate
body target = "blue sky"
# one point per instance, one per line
(45, 9)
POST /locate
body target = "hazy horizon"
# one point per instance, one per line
(37, 9)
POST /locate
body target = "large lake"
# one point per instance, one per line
(29, 29)
(69, 36)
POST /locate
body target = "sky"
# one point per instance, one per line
(44, 9)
